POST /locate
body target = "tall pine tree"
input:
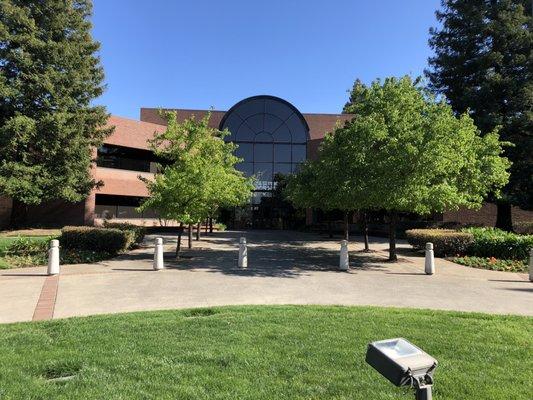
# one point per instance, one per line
(483, 63)
(49, 74)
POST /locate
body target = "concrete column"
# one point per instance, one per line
(158, 254)
(243, 253)
(344, 261)
(429, 266)
(53, 257)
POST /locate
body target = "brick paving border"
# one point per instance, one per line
(47, 300)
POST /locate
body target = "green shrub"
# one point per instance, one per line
(25, 246)
(492, 263)
(108, 240)
(138, 231)
(446, 242)
(491, 242)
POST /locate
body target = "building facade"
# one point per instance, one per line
(272, 135)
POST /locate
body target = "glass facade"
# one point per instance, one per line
(271, 136)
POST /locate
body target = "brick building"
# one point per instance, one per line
(273, 137)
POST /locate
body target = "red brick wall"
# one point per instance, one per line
(485, 216)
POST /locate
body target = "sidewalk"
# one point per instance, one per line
(284, 268)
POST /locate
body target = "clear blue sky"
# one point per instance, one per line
(208, 53)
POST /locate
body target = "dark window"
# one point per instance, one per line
(114, 206)
(111, 156)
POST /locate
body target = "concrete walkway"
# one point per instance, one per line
(284, 268)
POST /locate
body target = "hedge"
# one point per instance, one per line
(446, 242)
(491, 242)
(108, 240)
(138, 231)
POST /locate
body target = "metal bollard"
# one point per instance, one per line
(53, 257)
(531, 265)
(344, 261)
(243, 253)
(158, 254)
(429, 266)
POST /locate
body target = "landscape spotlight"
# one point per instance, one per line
(403, 364)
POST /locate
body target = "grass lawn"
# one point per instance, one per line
(261, 353)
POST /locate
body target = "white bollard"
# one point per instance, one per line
(53, 257)
(429, 266)
(344, 261)
(158, 254)
(243, 253)
(531, 265)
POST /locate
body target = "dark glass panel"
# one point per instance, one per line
(282, 134)
(233, 122)
(245, 151)
(278, 108)
(263, 137)
(297, 129)
(246, 167)
(298, 153)
(272, 123)
(284, 169)
(245, 134)
(263, 153)
(255, 122)
(263, 171)
(251, 107)
(282, 153)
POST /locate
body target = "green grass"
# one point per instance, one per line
(261, 353)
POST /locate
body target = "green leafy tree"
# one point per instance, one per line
(198, 174)
(49, 74)
(335, 181)
(483, 65)
(419, 156)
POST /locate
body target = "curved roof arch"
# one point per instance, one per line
(261, 114)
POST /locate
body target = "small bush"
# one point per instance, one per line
(107, 240)
(27, 247)
(446, 242)
(491, 242)
(138, 231)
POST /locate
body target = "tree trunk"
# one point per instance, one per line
(392, 235)
(178, 245)
(189, 234)
(210, 224)
(198, 227)
(365, 230)
(504, 216)
(346, 226)
(19, 215)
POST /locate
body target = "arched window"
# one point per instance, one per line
(271, 134)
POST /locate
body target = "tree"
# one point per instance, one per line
(49, 74)
(483, 65)
(335, 181)
(419, 156)
(198, 174)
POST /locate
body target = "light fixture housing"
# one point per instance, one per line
(401, 362)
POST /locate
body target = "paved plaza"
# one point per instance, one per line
(283, 268)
